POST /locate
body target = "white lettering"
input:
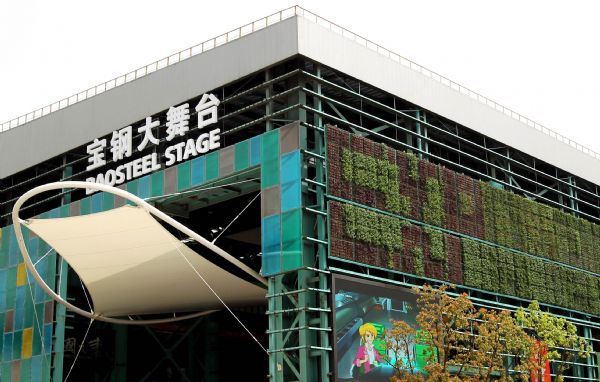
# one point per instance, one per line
(169, 155)
(155, 164)
(120, 175)
(147, 164)
(89, 190)
(202, 143)
(215, 136)
(190, 149)
(137, 168)
(110, 178)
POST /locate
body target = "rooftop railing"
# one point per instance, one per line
(263, 23)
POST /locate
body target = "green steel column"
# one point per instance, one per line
(119, 372)
(59, 327)
(275, 326)
(320, 149)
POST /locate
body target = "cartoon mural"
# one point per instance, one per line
(363, 310)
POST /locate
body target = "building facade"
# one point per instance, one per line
(340, 164)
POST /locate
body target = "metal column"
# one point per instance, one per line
(298, 301)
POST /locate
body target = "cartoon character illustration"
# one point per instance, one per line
(367, 357)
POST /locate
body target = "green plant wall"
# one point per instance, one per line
(473, 234)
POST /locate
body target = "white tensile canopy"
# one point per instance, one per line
(130, 264)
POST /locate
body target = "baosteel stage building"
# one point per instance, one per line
(308, 177)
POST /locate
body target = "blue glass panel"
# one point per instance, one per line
(290, 166)
(291, 195)
(271, 245)
(36, 368)
(47, 337)
(255, 150)
(291, 190)
(198, 171)
(145, 187)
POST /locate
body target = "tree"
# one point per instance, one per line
(558, 334)
(400, 355)
(447, 322)
(461, 343)
(498, 334)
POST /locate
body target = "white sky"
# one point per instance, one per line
(539, 58)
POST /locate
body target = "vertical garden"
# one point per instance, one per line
(394, 210)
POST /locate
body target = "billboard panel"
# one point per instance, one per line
(363, 310)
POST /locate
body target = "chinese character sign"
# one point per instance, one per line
(177, 125)
(207, 110)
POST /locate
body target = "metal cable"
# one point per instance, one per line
(235, 218)
(176, 246)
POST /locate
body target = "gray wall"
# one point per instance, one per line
(79, 124)
(332, 49)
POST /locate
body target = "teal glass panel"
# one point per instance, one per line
(144, 187)
(20, 307)
(291, 239)
(26, 370)
(51, 270)
(132, 187)
(255, 150)
(3, 277)
(28, 311)
(291, 186)
(32, 247)
(11, 287)
(17, 344)
(36, 368)
(54, 213)
(97, 202)
(6, 370)
(183, 176)
(85, 206)
(158, 183)
(42, 268)
(7, 347)
(271, 245)
(198, 171)
(108, 201)
(212, 165)
(4, 246)
(2, 318)
(270, 159)
(14, 255)
(64, 211)
(48, 336)
(242, 155)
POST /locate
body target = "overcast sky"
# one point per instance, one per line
(539, 58)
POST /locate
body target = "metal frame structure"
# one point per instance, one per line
(299, 302)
